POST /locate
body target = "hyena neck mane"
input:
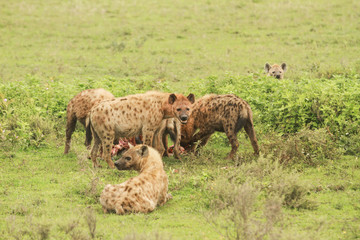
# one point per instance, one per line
(148, 165)
(167, 110)
(190, 127)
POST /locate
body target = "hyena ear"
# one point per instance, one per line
(143, 151)
(172, 98)
(191, 98)
(267, 67)
(284, 67)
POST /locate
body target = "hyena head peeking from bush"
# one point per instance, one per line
(276, 70)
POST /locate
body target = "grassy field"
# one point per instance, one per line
(304, 185)
(176, 41)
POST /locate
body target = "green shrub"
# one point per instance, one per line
(32, 110)
(234, 208)
(272, 178)
(246, 202)
(311, 147)
(26, 229)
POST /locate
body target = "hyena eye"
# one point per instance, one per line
(273, 72)
(179, 109)
(127, 158)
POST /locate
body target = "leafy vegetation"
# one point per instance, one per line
(304, 185)
(285, 106)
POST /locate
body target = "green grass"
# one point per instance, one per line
(177, 40)
(56, 190)
(51, 50)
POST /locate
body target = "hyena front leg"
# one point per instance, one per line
(119, 209)
(105, 210)
(165, 143)
(176, 137)
(204, 140)
(203, 136)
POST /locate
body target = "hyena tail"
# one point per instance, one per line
(70, 128)
(249, 129)
(89, 136)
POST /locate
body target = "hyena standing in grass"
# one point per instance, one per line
(222, 113)
(134, 115)
(276, 70)
(78, 109)
(143, 192)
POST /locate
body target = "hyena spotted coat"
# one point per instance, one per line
(143, 192)
(134, 115)
(276, 70)
(78, 109)
(222, 113)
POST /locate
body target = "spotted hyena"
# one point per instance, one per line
(171, 127)
(222, 113)
(143, 192)
(276, 70)
(78, 109)
(134, 115)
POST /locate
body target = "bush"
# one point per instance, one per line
(33, 110)
(239, 194)
(311, 147)
(27, 229)
(272, 179)
(233, 210)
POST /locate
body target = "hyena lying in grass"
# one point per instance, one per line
(78, 109)
(276, 70)
(222, 113)
(143, 192)
(134, 115)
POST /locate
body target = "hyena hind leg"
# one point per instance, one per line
(231, 135)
